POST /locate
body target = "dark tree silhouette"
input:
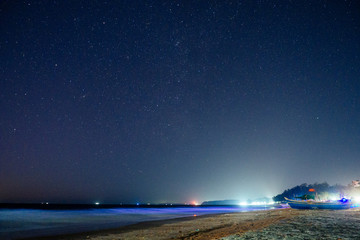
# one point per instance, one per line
(301, 190)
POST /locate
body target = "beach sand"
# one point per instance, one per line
(270, 224)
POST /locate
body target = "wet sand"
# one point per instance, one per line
(270, 224)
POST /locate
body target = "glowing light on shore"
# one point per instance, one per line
(243, 204)
(356, 199)
(97, 203)
(333, 198)
(256, 203)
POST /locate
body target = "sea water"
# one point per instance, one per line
(21, 223)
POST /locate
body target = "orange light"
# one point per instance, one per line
(311, 190)
(194, 215)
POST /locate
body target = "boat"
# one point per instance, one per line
(311, 204)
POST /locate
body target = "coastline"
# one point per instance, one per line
(212, 226)
(268, 224)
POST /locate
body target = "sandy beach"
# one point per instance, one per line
(270, 224)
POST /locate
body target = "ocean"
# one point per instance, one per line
(21, 223)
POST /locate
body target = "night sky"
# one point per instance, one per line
(176, 101)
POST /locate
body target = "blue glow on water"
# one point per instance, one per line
(18, 223)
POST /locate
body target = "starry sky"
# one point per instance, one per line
(176, 101)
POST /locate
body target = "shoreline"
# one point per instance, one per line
(211, 226)
(123, 229)
(267, 224)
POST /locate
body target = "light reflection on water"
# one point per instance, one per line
(17, 223)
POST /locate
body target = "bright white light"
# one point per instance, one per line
(356, 198)
(97, 203)
(258, 203)
(333, 198)
(255, 203)
(243, 203)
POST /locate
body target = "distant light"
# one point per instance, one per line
(195, 203)
(334, 198)
(356, 199)
(195, 215)
(257, 203)
(137, 204)
(97, 203)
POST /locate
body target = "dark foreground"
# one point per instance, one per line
(271, 224)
